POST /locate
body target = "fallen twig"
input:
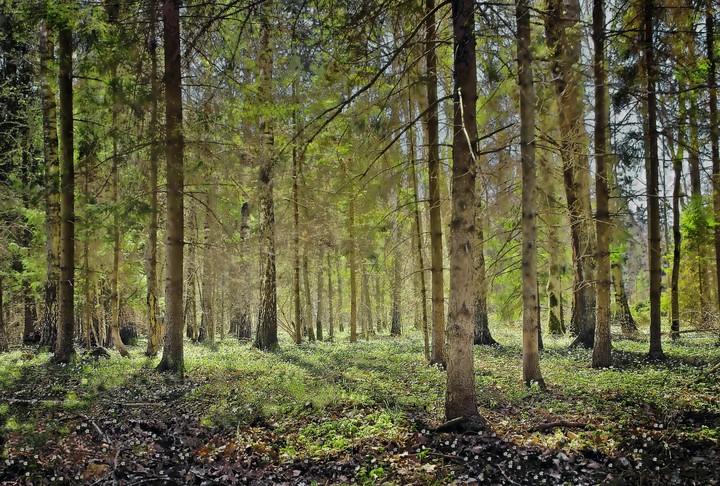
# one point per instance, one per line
(559, 423)
(450, 424)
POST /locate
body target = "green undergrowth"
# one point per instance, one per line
(325, 400)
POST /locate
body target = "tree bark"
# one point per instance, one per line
(531, 354)
(64, 350)
(208, 271)
(461, 397)
(296, 248)
(653, 201)
(481, 333)
(155, 328)
(173, 358)
(266, 337)
(307, 293)
(243, 321)
(52, 190)
(331, 313)
(436, 237)
(601, 352)
(353, 270)
(115, 277)
(563, 38)
(714, 131)
(319, 314)
(420, 259)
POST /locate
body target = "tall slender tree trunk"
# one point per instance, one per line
(481, 333)
(319, 314)
(64, 350)
(266, 337)
(531, 354)
(155, 328)
(244, 323)
(431, 122)
(714, 130)
(366, 305)
(208, 271)
(307, 294)
(353, 270)
(653, 200)
(677, 240)
(421, 260)
(563, 37)
(601, 352)
(173, 357)
(341, 321)
(3, 328)
(331, 313)
(52, 190)
(461, 397)
(296, 248)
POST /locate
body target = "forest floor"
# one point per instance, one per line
(327, 413)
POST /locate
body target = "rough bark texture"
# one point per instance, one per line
(714, 131)
(3, 329)
(266, 337)
(531, 353)
(563, 37)
(319, 314)
(331, 312)
(601, 351)
(461, 397)
(481, 333)
(52, 190)
(436, 237)
(653, 168)
(64, 350)
(155, 330)
(623, 316)
(173, 358)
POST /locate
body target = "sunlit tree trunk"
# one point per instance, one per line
(677, 238)
(266, 337)
(155, 328)
(653, 201)
(564, 40)
(601, 351)
(64, 350)
(531, 355)
(52, 189)
(714, 129)
(341, 321)
(481, 333)
(319, 314)
(421, 260)
(173, 358)
(331, 313)
(461, 397)
(431, 122)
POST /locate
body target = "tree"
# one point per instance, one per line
(601, 350)
(266, 337)
(173, 357)
(461, 398)
(436, 252)
(52, 188)
(714, 129)
(64, 350)
(563, 38)
(652, 164)
(481, 328)
(531, 323)
(155, 327)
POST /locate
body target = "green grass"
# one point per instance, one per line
(327, 400)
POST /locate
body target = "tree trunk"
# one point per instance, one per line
(192, 331)
(243, 321)
(531, 354)
(421, 260)
(431, 122)
(52, 190)
(208, 271)
(366, 305)
(319, 314)
(623, 316)
(266, 336)
(331, 314)
(714, 132)
(307, 293)
(563, 37)
(173, 358)
(296, 248)
(601, 352)
(64, 350)
(481, 333)
(653, 201)
(155, 328)
(461, 397)
(341, 322)
(353, 270)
